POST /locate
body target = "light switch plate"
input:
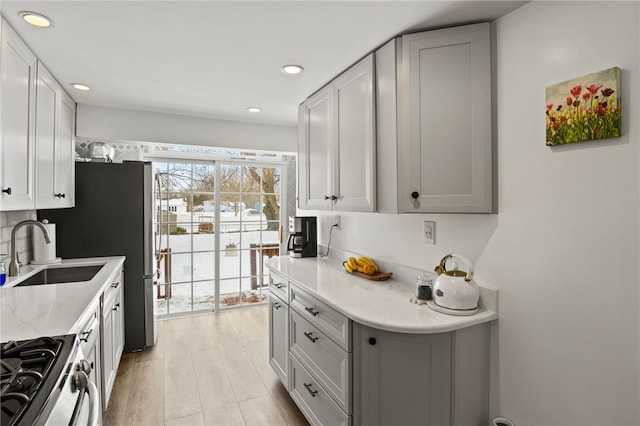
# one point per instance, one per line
(429, 232)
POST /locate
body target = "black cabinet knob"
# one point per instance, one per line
(60, 195)
(326, 197)
(372, 341)
(7, 191)
(415, 194)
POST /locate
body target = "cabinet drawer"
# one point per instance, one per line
(280, 286)
(313, 400)
(115, 282)
(329, 363)
(326, 319)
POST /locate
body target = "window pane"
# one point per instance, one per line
(180, 300)
(204, 266)
(180, 267)
(203, 295)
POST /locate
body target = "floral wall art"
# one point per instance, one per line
(583, 109)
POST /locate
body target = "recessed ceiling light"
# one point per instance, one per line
(36, 19)
(80, 86)
(254, 109)
(292, 69)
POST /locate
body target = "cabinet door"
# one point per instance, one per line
(354, 156)
(401, 378)
(17, 111)
(107, 347)
(315, 186)
(64, 187)
(279, 338)
(118, 328)
(55, 118)
(445, 121)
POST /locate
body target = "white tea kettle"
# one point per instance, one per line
(455, 289)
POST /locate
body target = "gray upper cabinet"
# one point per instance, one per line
(17, 111)
(336, 145)
(434, 123)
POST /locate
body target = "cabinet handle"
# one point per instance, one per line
(7, 191)
(415, 194)
(60, 195)
(372, 341)
(115, 285)
(277, 305)
(326, 197)
(85, 335)
(310, 336)
(116, 307)
(311, 311)
(278, 286)
(308, 387)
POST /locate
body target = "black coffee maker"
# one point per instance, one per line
(302, 240)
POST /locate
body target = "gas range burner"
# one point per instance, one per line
(28, 373)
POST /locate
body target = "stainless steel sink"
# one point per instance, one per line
(61, 275)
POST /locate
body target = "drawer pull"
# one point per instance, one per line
(372, 341)
(116, 307)
(59, 195)
(7, 191)
(311, 311)
(277, 305)
(310, 336)
(312, 392)
(278, 286)
(115, 285)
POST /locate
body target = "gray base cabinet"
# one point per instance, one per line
(279, 327)
(278, 338)
(340, 372)
(433, 379)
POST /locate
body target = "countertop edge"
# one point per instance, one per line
(487, 308)
(115, 263)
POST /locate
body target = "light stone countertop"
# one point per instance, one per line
(379, 304)
(53, 309)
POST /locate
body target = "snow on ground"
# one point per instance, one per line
(235, 270)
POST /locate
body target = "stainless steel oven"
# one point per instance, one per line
(46, 381)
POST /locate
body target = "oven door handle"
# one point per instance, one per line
(85, 385)
(94, 404)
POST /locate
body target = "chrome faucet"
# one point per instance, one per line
(14, 267)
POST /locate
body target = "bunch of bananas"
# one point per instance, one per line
(362, 264)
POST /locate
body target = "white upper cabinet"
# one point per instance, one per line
(55, 124)
(17, 124)
(443, 121)
(37, 118)
(336, 143)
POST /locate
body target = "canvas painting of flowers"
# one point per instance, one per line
(583, 109)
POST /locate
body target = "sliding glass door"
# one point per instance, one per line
(216, 223)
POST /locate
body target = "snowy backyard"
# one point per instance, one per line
(197, 263)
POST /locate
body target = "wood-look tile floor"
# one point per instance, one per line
(209, 369)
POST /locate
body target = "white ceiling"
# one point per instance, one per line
(215, 58)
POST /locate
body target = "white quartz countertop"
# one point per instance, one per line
(379, 304)
(53, 309)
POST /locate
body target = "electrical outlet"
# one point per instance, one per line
(337, 222)
(429, 232)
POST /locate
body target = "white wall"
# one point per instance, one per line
(114, 124)
(564, 247)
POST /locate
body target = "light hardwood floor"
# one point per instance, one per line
(209, 369)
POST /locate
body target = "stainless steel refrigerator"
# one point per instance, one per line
(113, 216)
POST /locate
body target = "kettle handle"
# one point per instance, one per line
(440, 269)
